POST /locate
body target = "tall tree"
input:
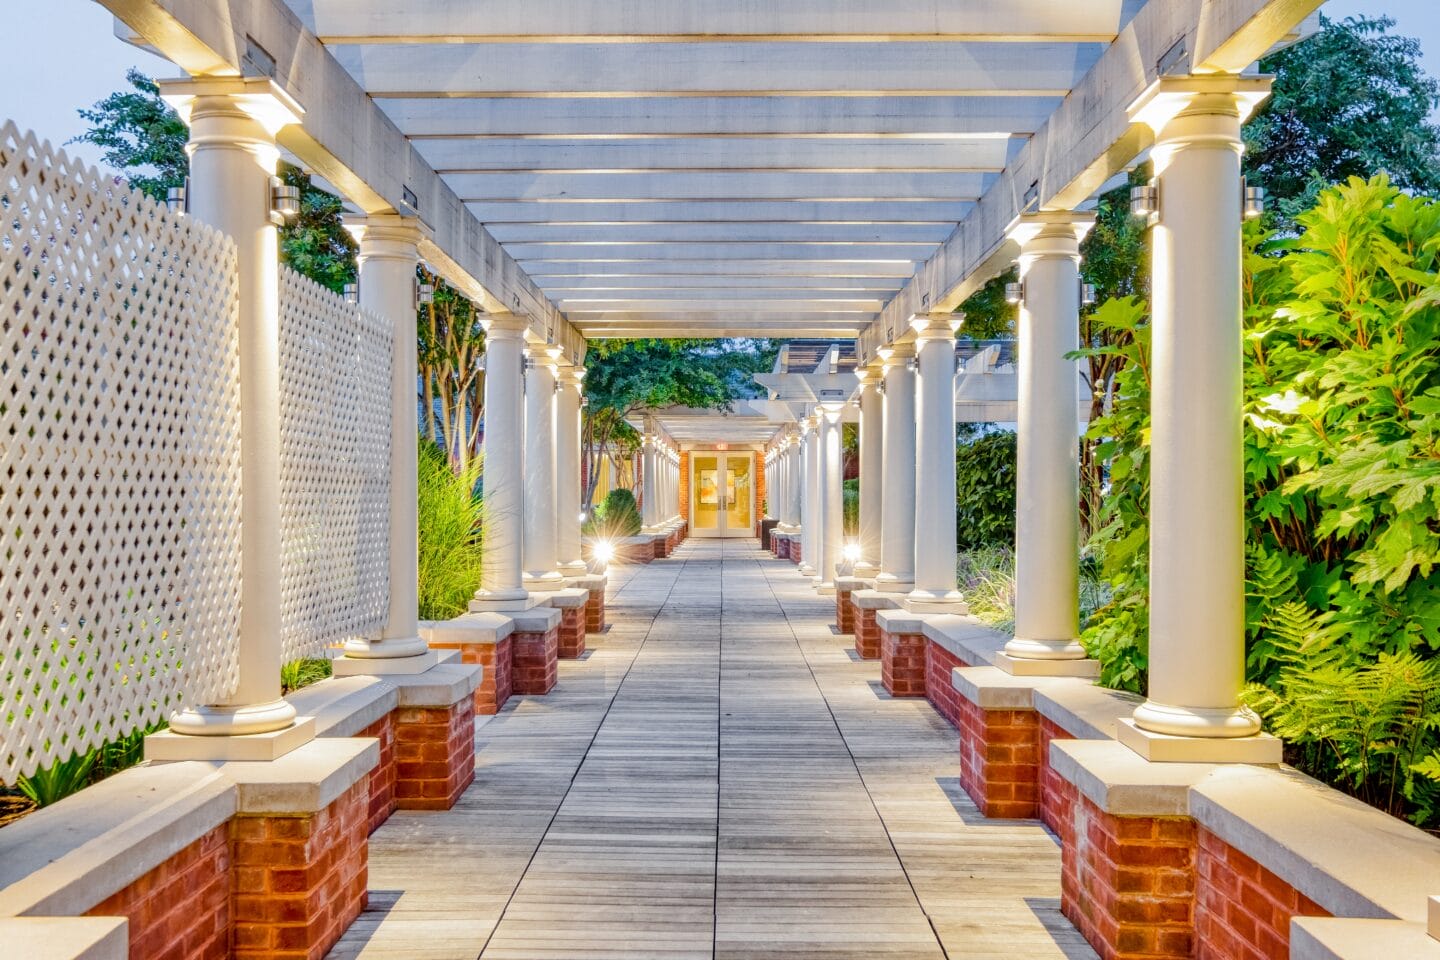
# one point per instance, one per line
(452, 384)
(1351, 101)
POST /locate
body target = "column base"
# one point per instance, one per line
(574, 568)
(825, 588)
(1260, 748)
(350, 665)
(928, 602)
(1175, 721)
(865, 569)
(889, 583)
(503, 601)
(545, 582)
(806, 570)
(173, 745)
(226, 721)
(1027, 667)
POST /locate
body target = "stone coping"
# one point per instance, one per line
(852, 584)
(568, 599)
(1079, 707)
(345, 706)
(443, 685)
(536, 619)
(1348, 857)
(590, 582)
(487, 627)
(66, 938)
(897, 621)
(965, 637)
(305, 780)
(1346, 938)
(67, 857)
(869, 599)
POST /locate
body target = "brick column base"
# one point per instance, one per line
(595, 612)
(495, 657)
(434, 755)
(381, 780)
(797, 552)
(299, 881)
(902, 663)
(782, 547)
(181, 908)
(867, 634)
(939, 689)
(536, 661)
(1000, 760)
(844, 612)
(572, 633)
(1243, 910)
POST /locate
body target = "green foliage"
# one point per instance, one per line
(987, 315)
(986, 575)
(1351, 101)
(317, 244)
(850, 502)
(450, 534)
(985, 490)
(452, 384)
(618, 516)
(78, 771)
(302, 673)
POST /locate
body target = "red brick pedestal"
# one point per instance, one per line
(536, 651)
(1000, 759)
(797, 551)
(298, 881)
(781, 545)
(845, 588)
(902, 655)
(864, 605)
(493, 654)
(939, 690)
(381, 788)
(434, 755)
(595, 612)
(1243, 910)
(571, 603)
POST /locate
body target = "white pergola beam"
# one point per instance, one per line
(1088, 139)
(558, 20)
(881, 287)
(526, 253)
(581, 188)
(682, 232)
(729, 268)
(739, 305)
(724, 211)
(345, 139)
(575, 299)
(738, 153)
(457, 70)
(898, 117)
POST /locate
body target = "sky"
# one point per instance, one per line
(61, 55)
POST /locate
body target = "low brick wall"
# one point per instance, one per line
(782, 547)
(1243, 910)
(867, 633)
(797, 551)
(902, 663)
(844, 611)
(595, 612)
(1000, 760)
(938, 689)
(299, 881)
(181, 908)
(496, 677)
(535, 661)
(434, 755)
(1052, 785)
(572, 633)
(381, 788)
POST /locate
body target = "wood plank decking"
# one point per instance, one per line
(719, 777)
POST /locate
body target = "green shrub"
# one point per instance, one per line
(618, 516)
(850, 494)
(985, 490)
(450, 534)
(302, 673)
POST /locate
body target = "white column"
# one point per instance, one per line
(809, 498)
(502, 582)
(832, 507)
(897, 486)
(567, 471)
(872, 453)
(1197, 504)
(542, 564)
(650, 482)
(1047, 496)
(387, 258)
(232, 158)
(935, 550)
(794, 483)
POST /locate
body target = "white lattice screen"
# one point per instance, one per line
(334, 468)
(119, 459)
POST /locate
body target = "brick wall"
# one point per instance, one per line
(939, 689)
(867, 634)
(434, 755)
(180, 910)
(1000, 760)
(572, 632)
(1052, 787)
(844, 611)
(298, 881)
(902, 663)
(1242, 910)
(381, 780)
(595, 612)
(535, 661)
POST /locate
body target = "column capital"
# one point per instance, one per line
(572, 376)
(504, 326)
(870, 375)
(539, 356)
(831, 412)
(1050, 232)
(934, 326)
(895, 355)
(1213, 93)
(386, 234)
(259, 98)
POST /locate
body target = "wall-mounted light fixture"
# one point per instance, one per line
(1087, 294)
(352, 293)
(425, 293)
(284, 202)
(1015, 292)
(1145, 200)
(1252, 200)
(177, 199)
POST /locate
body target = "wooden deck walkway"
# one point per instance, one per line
(719, 777)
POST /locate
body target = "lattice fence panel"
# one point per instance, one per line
(334, 468)
(119, 459)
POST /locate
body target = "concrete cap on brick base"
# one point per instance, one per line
(1084, 710)
(537, 620)
(868, 599)
(440, 686)
(590, 582)
(852, 584)
(468, 628)
(568, 599)
(65, 938)
(1345, 938)
(64, 859)
(305, 780)
(965, 637)
(345, 706)
(993, 689)
(900, 622)
(1119, 781)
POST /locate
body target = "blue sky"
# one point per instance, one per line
(62, 55)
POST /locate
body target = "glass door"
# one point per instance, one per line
(722, 497)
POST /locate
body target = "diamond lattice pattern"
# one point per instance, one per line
(334, 468)
(119, 459)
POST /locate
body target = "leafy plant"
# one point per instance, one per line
(618, 516)
(59, 780)
(450, 544)
(985, 489)
(850, 504)
(303, 672)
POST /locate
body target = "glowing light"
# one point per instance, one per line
(852, 552)
(603, 551)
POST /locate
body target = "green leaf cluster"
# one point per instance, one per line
(985, 489)
(451, 549)
(618, 516)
